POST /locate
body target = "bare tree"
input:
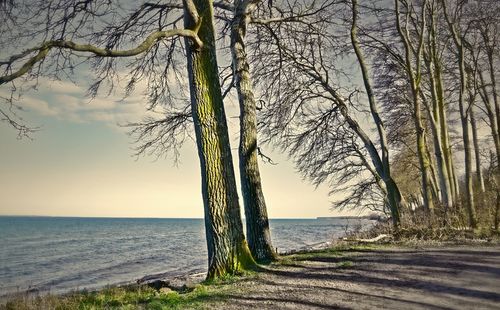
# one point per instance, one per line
(228, 251)
(437, 114)
(413, 66)
(299, 69)
(160, 136)
(394, 196)
(258, 233)
(458, 38)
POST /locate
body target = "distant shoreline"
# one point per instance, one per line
(364, 217)
(101, 217)
(183, 218)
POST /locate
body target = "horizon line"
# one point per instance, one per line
(144, 217)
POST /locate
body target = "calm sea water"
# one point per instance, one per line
(62, 254)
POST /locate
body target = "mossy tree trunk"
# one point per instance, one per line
(228, 251)
(257, 222)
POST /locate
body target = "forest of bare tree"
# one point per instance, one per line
(393, 104)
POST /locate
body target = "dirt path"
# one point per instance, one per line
(389, 278)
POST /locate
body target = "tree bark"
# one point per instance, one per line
(492, 71)
(496, 220)
(492, 117)
(257, 222)
(477, 155)
(445, 135)
(228, 251)
(435, 184)
(468, 167)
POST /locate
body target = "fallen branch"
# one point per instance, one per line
(372, 240)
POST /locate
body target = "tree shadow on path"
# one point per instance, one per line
(398, 279)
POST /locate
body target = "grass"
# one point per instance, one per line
(231, 278)
(130, 297)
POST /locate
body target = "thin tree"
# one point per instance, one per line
(413, 66)
(458, 39)
(299, 68)
(394, 197)
(437, 114)
(257, 222)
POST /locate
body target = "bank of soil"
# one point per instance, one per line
(459, 277)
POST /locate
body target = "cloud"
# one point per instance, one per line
(65, 100)
(62, 87)
(40, 106)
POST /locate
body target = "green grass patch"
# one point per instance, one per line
(231, 278)
(131, 297)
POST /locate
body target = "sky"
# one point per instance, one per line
(80, 163)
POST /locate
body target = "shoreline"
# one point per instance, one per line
(187, 281)
(175, 281)
(46, 285)
(392, 275)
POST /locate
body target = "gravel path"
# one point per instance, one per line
(389, 278)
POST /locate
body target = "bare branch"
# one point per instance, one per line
(44, 49)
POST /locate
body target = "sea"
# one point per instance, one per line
(62, 254)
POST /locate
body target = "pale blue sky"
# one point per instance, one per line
(80, 164)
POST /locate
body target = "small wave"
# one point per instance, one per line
(65, 254)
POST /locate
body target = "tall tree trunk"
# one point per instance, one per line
(490, 112)
(464, 116)
(414, 77)
(432, 61)
(257, 222)
(477, 155)
(454, 175)
(394, 197)
(435, 184)
(228, 250)
(422, 151)
(440, 181)
(496, 102)
(435, 58)
(492, 71)
(445, 135)
(496, 220)
(442, 168)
